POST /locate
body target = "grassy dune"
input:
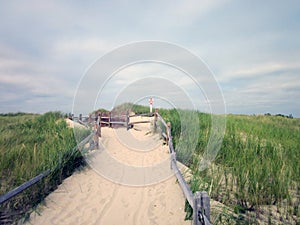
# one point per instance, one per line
(256, 172)
(29, 145)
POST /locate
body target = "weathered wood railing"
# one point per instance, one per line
(108, 119)
(7, 196)
(23, 187)
(200, 201)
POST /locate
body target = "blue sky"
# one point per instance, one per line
(252, 47)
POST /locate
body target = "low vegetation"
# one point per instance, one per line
(255, 176)
(29, 145)
(256, 172)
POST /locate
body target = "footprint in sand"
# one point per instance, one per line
(88, 198)
(152, 212)
(138, 212)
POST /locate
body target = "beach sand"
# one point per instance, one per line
(102, 194)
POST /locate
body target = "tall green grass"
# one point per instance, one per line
(124, 107)
(258, 164)
(29, 145)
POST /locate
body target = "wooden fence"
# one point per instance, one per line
(108, 119)
(7, 196)
(22, 187)
(199, 201)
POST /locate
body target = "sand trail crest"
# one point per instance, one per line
(139, 189)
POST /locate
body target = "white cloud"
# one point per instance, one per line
(252, 48)
(259, 70)
(275, 93)
(80, 47)
(177, 14)
(194, 8)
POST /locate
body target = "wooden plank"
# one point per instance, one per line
(86, 140)
(143, 114)
(184, 186)
(205, 204)
(29, 183)
(127, 120)
(197, 220)
(82, 123)
(201, 209)
(117, 122)
(171, 148)
(22, 187)
(162, 120)
(140, 122)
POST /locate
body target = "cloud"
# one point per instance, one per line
(149, 79)
(177, 15)
(28, 85)
(252, 48)
(195, 9)
(80, 47)
(260, 70)
(267, 88)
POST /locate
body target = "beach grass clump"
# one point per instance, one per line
(257, 167)
(29, 145)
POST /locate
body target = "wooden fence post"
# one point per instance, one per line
(97, 130)
(109, 119)
(199, 201)
(168, 131)
(155, 120)
(127, 120)
(196, 207)
(96, 118)
(201, 205)
(99, 125)
(205, 204)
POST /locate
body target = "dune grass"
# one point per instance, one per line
(256, 174)
(29, 145)
(257, 167)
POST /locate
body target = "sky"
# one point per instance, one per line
(252, 49)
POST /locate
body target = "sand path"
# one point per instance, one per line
(131, 183)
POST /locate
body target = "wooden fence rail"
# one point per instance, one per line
(199, 201)
(5, 197)
(23, 187)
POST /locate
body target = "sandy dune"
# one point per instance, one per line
(131, 183)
